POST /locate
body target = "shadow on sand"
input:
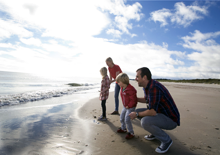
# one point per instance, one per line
(148, 147)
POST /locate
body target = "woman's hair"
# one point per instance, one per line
(123, 77)
(109, 59)
(103, 72)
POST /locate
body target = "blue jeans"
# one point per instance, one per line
(117, 90)
(155, 124)
(126, 120)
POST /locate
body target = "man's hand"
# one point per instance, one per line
(133, 115)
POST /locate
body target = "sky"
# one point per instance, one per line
(174, 39)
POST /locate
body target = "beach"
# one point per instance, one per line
(68, 125)
(44, 127)
(198, 132)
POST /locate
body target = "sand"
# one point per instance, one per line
(198, 133)
(66, 125)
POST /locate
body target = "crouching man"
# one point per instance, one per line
(161, 113)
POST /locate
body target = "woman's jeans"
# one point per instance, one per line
(117, 90)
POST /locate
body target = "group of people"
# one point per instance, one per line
(160, 113)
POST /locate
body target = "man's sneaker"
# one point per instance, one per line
(164, 147)
(121, 131)
(149, 137)
(129, 136)
(114, 113)
(101, 118)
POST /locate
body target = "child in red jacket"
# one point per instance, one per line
(129, 100)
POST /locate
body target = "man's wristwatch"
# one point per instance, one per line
(137, 114)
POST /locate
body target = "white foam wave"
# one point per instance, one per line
(39, 95)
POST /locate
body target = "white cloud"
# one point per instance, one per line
(69, 20)
(185, 15)
(207, 52)
(54, 47)
(161, 16)
(91, 58)
(165, 45)
(75, 24)
(123, 13)
(9, 28)
(182, 15)
(6, 45)
(115, 33)
(31, 41)
(198, 36)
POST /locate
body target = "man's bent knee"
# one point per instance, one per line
(146, 122)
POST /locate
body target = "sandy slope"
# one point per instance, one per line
(198, 104)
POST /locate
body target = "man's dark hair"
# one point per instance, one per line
(145, 71)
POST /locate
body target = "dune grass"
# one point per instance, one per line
(207, 81)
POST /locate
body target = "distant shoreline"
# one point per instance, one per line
(205, 81)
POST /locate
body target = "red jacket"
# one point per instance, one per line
(129, 97)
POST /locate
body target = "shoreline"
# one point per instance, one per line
(197, 134)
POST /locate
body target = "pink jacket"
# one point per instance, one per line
(105, 88)
(129, 97)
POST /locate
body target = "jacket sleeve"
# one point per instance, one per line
(132, 98)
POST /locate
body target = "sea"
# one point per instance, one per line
(17, 88)
(38, 114)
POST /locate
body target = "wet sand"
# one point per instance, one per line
(46, 127)
(198, 133)
(67, 125)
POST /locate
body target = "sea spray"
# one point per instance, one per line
(39, 95)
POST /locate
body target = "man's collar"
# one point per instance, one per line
(149, 83)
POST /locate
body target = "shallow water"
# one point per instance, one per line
(18, 88)
(45, 127)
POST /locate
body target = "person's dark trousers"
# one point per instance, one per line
(117, 90)
(155, 124)
(103, 108)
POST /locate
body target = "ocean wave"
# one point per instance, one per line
(16, 99)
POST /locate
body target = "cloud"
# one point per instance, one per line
(182, 15)
(207, 52)
(123, 14)
(69, 20)
(72, 20)
(56, 59)
(185, 15)
(199, 37)
(115, 33)
(64, 42)
(6, 45)
(9, 28)
(32, 8)
(161, 16)
(31, 41)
